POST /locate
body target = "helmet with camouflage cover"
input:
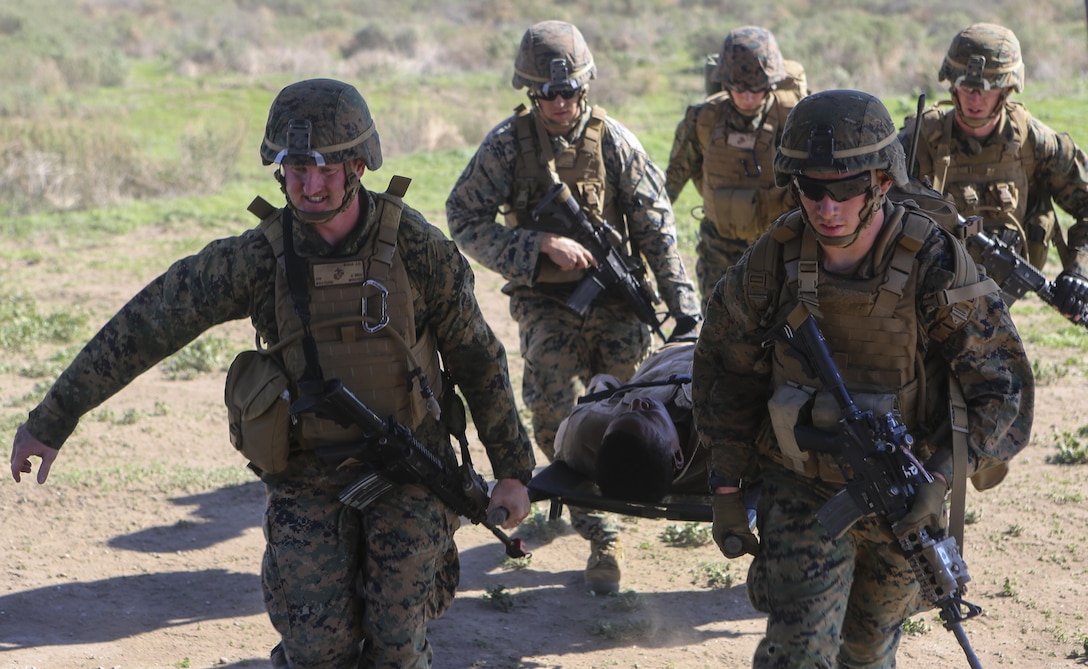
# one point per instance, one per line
(553, 56)
(984, 55)
(839, 132)
(320, 122)
(750, 60)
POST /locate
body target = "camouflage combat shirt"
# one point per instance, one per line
(234, 278)
(486, 185)
(733, 369)
(1060, 173)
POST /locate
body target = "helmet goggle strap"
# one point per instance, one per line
(974, 79)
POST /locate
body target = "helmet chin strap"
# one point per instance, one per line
(874, 200)
(999, 109)
(352, 185)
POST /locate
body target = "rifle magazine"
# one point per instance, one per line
(365, 490)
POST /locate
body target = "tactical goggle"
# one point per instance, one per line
(550, 93)
(840, 190)
(734, 88)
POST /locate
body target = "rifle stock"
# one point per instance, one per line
(882, 477)
(613, 267)
(398, 457)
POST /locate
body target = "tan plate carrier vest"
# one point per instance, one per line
(580, 166)
(871, 330)
(994, 183)
(363, 323)
(739, 194)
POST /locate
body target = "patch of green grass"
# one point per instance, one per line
(690, 535)
(537, 527)
(513, 564)
(625, 601)
(716, 575)
(915, 626)
(1047, 373)
(206, 354)
(23, 326)
(157, 477)
(498, 598)
(1072, 448)
(626, 630)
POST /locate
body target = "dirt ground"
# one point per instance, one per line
(107, 567)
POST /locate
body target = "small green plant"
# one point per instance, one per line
(1008, 589)
(628, 600)
(1072, 448)
(1015, 530)
(973, 516)
(511, 563)
(626, 630)
(183, 663)
(200, 357)
(915, 626)
(1079, 654)
(1047, 373)
(23, 327)
(716, 575)
(690, 535)
(498, 598)
(539, 528)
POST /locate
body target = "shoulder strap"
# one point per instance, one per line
(390, 208)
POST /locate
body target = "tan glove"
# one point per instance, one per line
(927, 510)
(731, 531)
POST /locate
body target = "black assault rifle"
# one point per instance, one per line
(566, 218)
(397, 457)
(1012, 272)
(882, 477)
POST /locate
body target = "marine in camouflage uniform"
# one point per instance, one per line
(335, 578)
(563, 138)
(726, 144)
(902, 308)
(1002, 163)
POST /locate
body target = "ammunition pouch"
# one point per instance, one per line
(258, 401)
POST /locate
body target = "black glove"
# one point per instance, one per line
(1071, 295)
(687, 329)
(927, 510)
(731, 531)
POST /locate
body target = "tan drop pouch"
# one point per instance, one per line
(258, 403)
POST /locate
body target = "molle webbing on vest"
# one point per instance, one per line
(737, 180)
(580, 166)
(992, 184)
(383, 365)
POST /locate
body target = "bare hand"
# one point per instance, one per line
(512, 495)
(26, 446)
(566, 253)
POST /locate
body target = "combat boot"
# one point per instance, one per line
(602, 574)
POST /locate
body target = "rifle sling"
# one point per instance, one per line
(958, 415)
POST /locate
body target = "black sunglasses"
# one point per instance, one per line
(549, 95)
(840, 190)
